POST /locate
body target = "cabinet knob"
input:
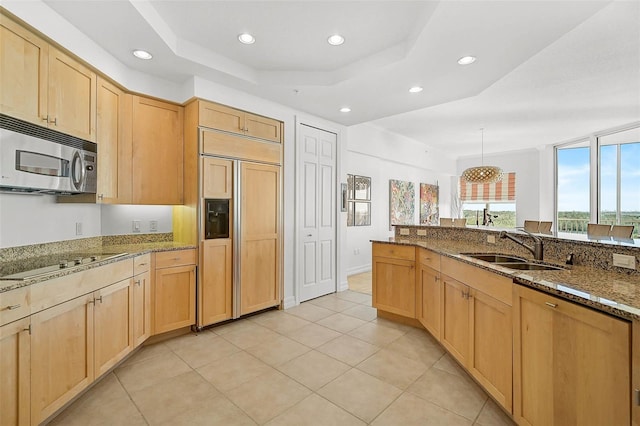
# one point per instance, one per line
(12, 307)
(551, 305)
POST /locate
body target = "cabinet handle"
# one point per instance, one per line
(45, 118)
(12, 307)
(54, 122)
(437, 278)
(100, 196)
(137, 282)
(551, 305)
(636, 397)
(99, 298)
(143, 264)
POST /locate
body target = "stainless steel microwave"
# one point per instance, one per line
(34, 159)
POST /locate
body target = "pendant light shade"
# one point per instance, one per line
(482, 174)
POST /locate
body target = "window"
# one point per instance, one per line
(497, 200)
(616, 198)
(358, 200)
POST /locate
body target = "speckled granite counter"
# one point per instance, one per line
(131, 246)
(617, 293)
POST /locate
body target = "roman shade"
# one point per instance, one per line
(504, 190)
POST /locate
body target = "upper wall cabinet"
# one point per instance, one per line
(42, 85)
(157, 169)
(232, 120)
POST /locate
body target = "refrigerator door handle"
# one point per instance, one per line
(237, 251)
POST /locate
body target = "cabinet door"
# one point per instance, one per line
(174, 298)
(217, 178)
(635, 372)
(393, 286)
(141, 316)
(61, 355)
(491, 346)
(260, 237)
(221, 117)
(15, 370)
(23, 73)
(428, 300)
(216, 283)
(112, 318)
(455, 318)
(72, 96)
(262, 127)
(572, 364)
(114, 145)
(157, 173)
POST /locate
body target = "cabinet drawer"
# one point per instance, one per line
(14, 304)
(141, 263)
(429, 258)
(497, 286)
(394, 251)
(167, 259)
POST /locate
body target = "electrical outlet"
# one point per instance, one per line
(153, 226)
(624, 261)
(422, 232)
(491, 239)
(78, 228)
(136, 226)
(404, 231)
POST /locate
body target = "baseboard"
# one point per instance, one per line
(343, 286)
(359, 269)
(289, 302)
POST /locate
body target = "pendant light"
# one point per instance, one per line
(482, 173)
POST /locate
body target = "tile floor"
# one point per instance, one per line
(360, 282)
(328, 361)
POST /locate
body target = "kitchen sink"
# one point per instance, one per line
(526, 266)
(496, 258)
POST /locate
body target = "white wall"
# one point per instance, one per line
(383, 155)
(526, 165)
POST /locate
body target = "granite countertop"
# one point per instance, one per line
(131, 250)
(612, 292)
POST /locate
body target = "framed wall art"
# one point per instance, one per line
(429, 210)
(358, 200)
(402, 200)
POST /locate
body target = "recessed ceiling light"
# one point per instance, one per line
(345, 109)
(142, 54)
(246, 38)
(466, 60)
(335, 40)
(415, 89)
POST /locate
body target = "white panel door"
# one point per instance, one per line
(317, 218)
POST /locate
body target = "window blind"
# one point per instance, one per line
(505, 190)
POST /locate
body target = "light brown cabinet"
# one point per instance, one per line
(215, 289)
(174, 291)
(157, 157)
(141, 315)
(428, 291)
(393, 279)
(571, 363)
(43, 85)
(232, 120)
(455, 334)
(635, 371)
(15, 370)
(217, 178)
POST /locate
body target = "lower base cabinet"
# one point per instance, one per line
(216, 282)
(174, 291)
(15, 373)
(572, 364)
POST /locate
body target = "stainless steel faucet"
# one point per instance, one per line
(537, 250)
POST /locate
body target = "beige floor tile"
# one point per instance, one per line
(393, 324)
(310, 312)
(315, 411)
(278, 350)
(363, 312)
(448, 364)
(267, 396)
(393, 368)
(155, 369)
(280, 321)
(234, 370)
(202, 348)
(376, 334)
(230, 326)
(449, 391)
(332, 302)
(213, 411)
(146, 352)
(360, 394)
(173, 396)
(314, 369)
(313, 335)
(341, 322)
(107, 403)
(355, 297)
(418, 349)
(348, 349)
(492, 415)
(409, 410)
(249, 335)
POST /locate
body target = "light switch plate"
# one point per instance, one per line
(422, 232)
(404, 231)
(135, 226)
(78, 228)
(624, 261)
(153, 226)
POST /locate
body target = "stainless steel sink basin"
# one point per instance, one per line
(496, 258)
(530, 266)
